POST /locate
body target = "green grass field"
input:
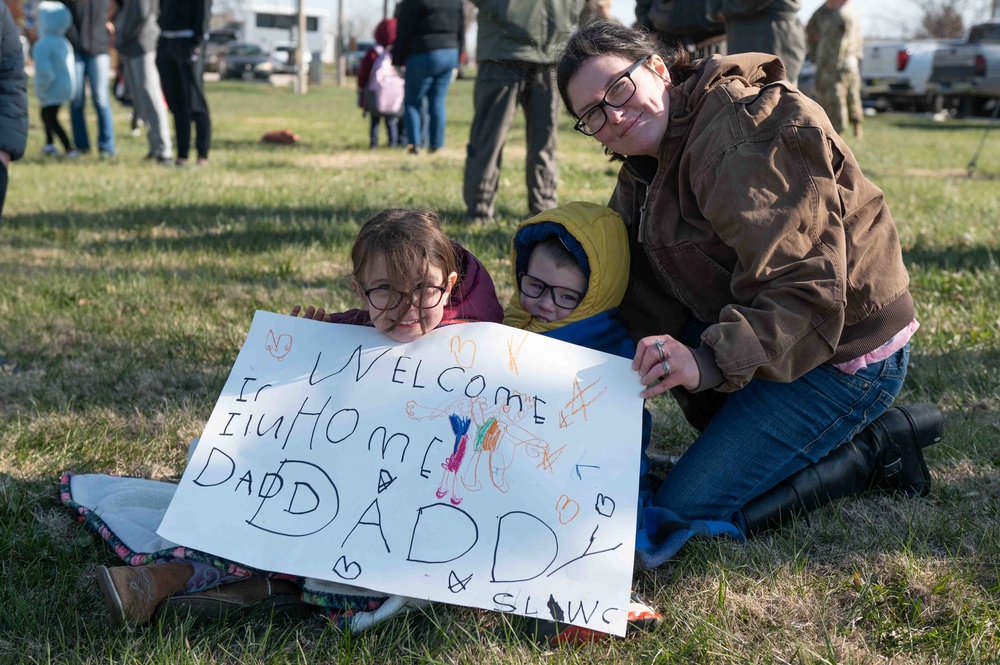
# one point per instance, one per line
(127, 289)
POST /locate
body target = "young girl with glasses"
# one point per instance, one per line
(411, 279)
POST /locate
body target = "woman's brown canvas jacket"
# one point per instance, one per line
(757, 219)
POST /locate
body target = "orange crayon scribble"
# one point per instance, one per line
(563, 423)
(278, 347)
(567, 509)
(464, 352)
(491, 439)
(578, 396)
(548, 459)
(512, 353)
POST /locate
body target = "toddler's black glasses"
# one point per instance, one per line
(423, 297)
(562, 297)
(593, 120)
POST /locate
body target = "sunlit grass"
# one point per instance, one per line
(127, 289)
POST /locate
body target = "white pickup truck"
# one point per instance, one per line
(894, 74)
(969, 72)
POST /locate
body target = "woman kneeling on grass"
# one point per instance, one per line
(410, 279)
(765, 269)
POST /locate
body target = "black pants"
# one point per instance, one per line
(3, 188)
(180, 77)
(50, 120)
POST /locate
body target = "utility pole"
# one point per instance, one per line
(301, 79)
(339, 50)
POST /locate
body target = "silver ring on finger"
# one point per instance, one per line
(666, 367)
(659, 347)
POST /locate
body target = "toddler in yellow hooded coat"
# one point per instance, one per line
(571, 266)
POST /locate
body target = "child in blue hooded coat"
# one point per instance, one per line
(55, 72)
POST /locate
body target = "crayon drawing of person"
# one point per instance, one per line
(460, 426)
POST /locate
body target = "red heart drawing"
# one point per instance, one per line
(279, 347)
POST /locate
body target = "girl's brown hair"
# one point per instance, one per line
(410, 242)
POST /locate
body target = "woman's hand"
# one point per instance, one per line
(311, 312)
(662, 358)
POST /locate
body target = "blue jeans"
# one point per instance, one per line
(428, 75)
(762, 434)
(96, 69)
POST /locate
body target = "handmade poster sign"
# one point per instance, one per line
(480, 465)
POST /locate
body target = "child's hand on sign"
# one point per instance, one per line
(311, 312)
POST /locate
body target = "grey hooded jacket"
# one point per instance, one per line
(137, 28)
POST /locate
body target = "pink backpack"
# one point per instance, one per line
(384, 93)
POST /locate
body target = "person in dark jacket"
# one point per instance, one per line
(91, 40)
(430, 36)
(135, 38)
(13, 98)
(181, 62)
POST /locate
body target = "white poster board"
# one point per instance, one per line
(480, 465)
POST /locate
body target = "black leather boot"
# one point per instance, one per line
(885, 456)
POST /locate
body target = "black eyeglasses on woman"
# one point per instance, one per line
(594, 119)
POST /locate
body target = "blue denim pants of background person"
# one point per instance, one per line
(762, 434)
(428, 75)
(97, 70)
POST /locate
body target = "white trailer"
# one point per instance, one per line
(272, 26)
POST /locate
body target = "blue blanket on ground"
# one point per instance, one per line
(660, 532)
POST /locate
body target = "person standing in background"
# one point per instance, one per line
(55, 73)
(135, 40)
(520, 42)
(181, 63)
(91, 40)
(763, 26)
(13, 99)
(836, 46)
(430, 36)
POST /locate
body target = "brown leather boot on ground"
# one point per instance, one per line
(252, 596)
(133, 593)
(859, 133)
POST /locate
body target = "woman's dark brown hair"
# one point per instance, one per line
(612, 38)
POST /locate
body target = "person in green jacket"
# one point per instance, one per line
(763, 26)
(519, 44)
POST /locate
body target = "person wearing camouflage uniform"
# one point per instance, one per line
(763, 26)
(836, 47)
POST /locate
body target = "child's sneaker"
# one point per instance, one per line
(72, 154)
(641, 616)
(50, 150)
